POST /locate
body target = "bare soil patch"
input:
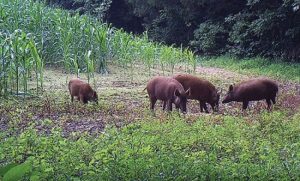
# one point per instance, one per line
(123, 101)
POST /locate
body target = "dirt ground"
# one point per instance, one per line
(122, 100)
(125, 87)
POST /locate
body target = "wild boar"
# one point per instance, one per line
(252, 90)
(201, 90)
(169, 91)
(82, 91)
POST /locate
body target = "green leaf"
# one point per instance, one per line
(4, 169)
(17, 172)
(34, 177)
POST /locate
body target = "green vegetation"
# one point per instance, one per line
(164, 148)
(50, 138)
(247, 28)
(120, 139)
(33, 35)
(257, 66)
(19, 58)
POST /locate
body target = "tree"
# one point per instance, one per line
(268, 28)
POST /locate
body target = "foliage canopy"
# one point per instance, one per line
(266, 28)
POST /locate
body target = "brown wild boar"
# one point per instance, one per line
(201, 90)
(252, 90)
(169, 91)
(82, 91)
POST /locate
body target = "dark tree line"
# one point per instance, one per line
(246, 28)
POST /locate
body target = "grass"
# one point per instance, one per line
(50, 138)
(120, 139)
(257, 66)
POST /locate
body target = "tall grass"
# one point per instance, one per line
(257, 66)
(80, 44)
(66, 39)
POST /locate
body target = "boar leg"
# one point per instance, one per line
(169, 104)
(269, 103)
(83, 99)
(177, 107)
(152, 103)
(203, 106)
(164, 105)
(245, 104)
(72, 98)
(273, 99)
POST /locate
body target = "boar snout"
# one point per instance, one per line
(95, 97)
(177, 102)
(183, 106)
(226, 100)
(181, 100)
(229, 95)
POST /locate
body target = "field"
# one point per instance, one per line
(121, 139)
(43, 136)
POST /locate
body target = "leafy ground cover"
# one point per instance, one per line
(257, 66)
(49, 137)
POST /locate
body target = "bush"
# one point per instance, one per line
(210, 38)
(210, 148)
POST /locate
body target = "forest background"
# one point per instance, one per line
(243, 28)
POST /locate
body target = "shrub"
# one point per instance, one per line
(210, 38)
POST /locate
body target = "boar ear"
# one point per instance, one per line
(177, 93)
(230, 88)
(188, 92)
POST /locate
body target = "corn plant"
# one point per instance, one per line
(79, 43)
(90, 67)
(39, 65)
(191, 59)
(19, 57)
(103, 41)
(165, 55)
(4, 66)
(148, 56)
(121, 46)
